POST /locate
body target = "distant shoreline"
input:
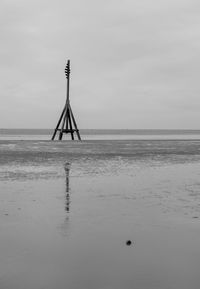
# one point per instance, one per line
(5, 131)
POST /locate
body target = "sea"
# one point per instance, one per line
(104, 134)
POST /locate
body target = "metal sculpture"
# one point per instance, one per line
(67, 120)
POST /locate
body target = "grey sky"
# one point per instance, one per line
(135, 64)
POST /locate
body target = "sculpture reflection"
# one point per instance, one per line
(67, 170)
(64, 227)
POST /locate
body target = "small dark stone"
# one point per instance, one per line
(195, 217)
(128, 243)
(6, 214)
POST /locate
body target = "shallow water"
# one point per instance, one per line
(68, 228)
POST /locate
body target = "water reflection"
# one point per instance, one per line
(67, 166)
(65, 226)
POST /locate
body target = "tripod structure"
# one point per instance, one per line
(66, 123)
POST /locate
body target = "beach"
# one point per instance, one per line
(68, 208)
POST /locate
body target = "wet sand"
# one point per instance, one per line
(67, 228)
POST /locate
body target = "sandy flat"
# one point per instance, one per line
(68, 228)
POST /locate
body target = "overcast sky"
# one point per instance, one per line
(134, 63)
